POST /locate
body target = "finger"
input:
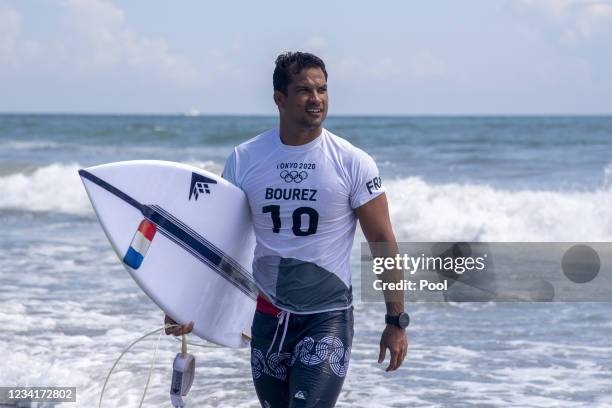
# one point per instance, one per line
(402, 353)
(184, 329)
(403, 350)
(382, 353)
(402, 356)
(169, 323)
(393, 360)
(176, 329)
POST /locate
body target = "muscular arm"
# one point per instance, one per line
(376, 225)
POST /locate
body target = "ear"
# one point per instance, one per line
(279, 98)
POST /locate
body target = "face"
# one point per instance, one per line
(305, 104)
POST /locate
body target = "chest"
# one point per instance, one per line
(298, 194)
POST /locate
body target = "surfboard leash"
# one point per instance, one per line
(182, 373)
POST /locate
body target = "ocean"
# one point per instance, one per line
(68, 308)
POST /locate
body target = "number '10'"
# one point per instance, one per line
(313, 219)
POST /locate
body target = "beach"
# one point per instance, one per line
(68, 308)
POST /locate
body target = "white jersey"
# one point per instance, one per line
(302, 200)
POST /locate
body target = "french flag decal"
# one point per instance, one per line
(140, 244)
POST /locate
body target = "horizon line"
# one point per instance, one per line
(263, 115)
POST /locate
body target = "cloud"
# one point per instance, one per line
(10, 24)
(86, 55)
(96, 41)
(400, 68)
(593, 19)
(315, 44)
(16, 52)
(106, 42)
(576, 21)
(555, 9)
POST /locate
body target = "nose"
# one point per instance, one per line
(315, 97)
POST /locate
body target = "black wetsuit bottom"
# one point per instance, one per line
(300, 360)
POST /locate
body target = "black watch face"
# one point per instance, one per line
(404, 320)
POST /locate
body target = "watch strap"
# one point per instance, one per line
(395, 320)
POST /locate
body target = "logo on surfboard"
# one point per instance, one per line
(199, 185)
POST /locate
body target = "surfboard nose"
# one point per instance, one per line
(140, 244)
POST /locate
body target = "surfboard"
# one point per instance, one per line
(185, 236)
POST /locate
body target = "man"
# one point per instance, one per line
(306, 188)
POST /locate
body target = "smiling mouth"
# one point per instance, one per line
(314, 110)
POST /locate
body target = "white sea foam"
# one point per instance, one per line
(425, 212)
(28, 145)
(208, 165)
(607, 182)
(65, 323)
(420, 211)
(56, 188)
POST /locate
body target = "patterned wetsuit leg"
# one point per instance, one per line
(310, 369)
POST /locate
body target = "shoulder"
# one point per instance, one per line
(246, 154)
(345, 153)
(255, 144)
(359, 169)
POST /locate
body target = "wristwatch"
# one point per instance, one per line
(402, 320)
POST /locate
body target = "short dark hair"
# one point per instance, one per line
(296, 60)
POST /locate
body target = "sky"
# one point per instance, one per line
(437, 57)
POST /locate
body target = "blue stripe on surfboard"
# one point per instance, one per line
(242, 284)
(233, 269)
(158, 219)
(201, 249)
(132, 258)
(207, 253)
(239, 268)
(111, 189)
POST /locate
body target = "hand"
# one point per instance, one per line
(177, 331)
(394, 339)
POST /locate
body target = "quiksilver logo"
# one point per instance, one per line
(199, 185)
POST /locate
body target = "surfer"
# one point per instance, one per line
(307, 188)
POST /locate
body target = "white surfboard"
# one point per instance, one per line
(185, 236)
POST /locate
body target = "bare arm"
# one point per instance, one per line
(376, 225)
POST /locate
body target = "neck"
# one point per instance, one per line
(297, 135)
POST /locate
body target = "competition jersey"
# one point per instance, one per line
(302, 200)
